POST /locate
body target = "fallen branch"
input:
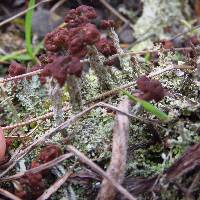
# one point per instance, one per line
(116, 169)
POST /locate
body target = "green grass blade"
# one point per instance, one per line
(28, 28)
(148, 107)
(21, 54)
(39, 47)
(12, 55)
(23, 57)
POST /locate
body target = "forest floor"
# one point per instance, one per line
(122, 123)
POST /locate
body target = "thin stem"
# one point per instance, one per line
(96, 62)
(22, 13)
(74, 92)
(55, 96)
(21, 76)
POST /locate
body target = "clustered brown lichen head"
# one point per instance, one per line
(61, 67)
(79, 16)
(73, 39)
(16, 69)
(80, 37)
(106, 47)
(77, 33)
(106, 24)
(67, 45)
(150, 89)
(56, 40)
(32, 185)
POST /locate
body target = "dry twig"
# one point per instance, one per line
(115, 91)
(54, 187)
(20, 76)
(39, 168)
(22, 13)
(97, 169)
(116, 169)
(8, 195)
(42, 117)
(57, 5)
(115, 12)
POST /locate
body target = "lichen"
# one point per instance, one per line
(157, 14)
(92, 135)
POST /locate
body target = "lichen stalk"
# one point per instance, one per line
(96, 62)
(55, 95)
(74, 92)
(114, 37)
(115, 40)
